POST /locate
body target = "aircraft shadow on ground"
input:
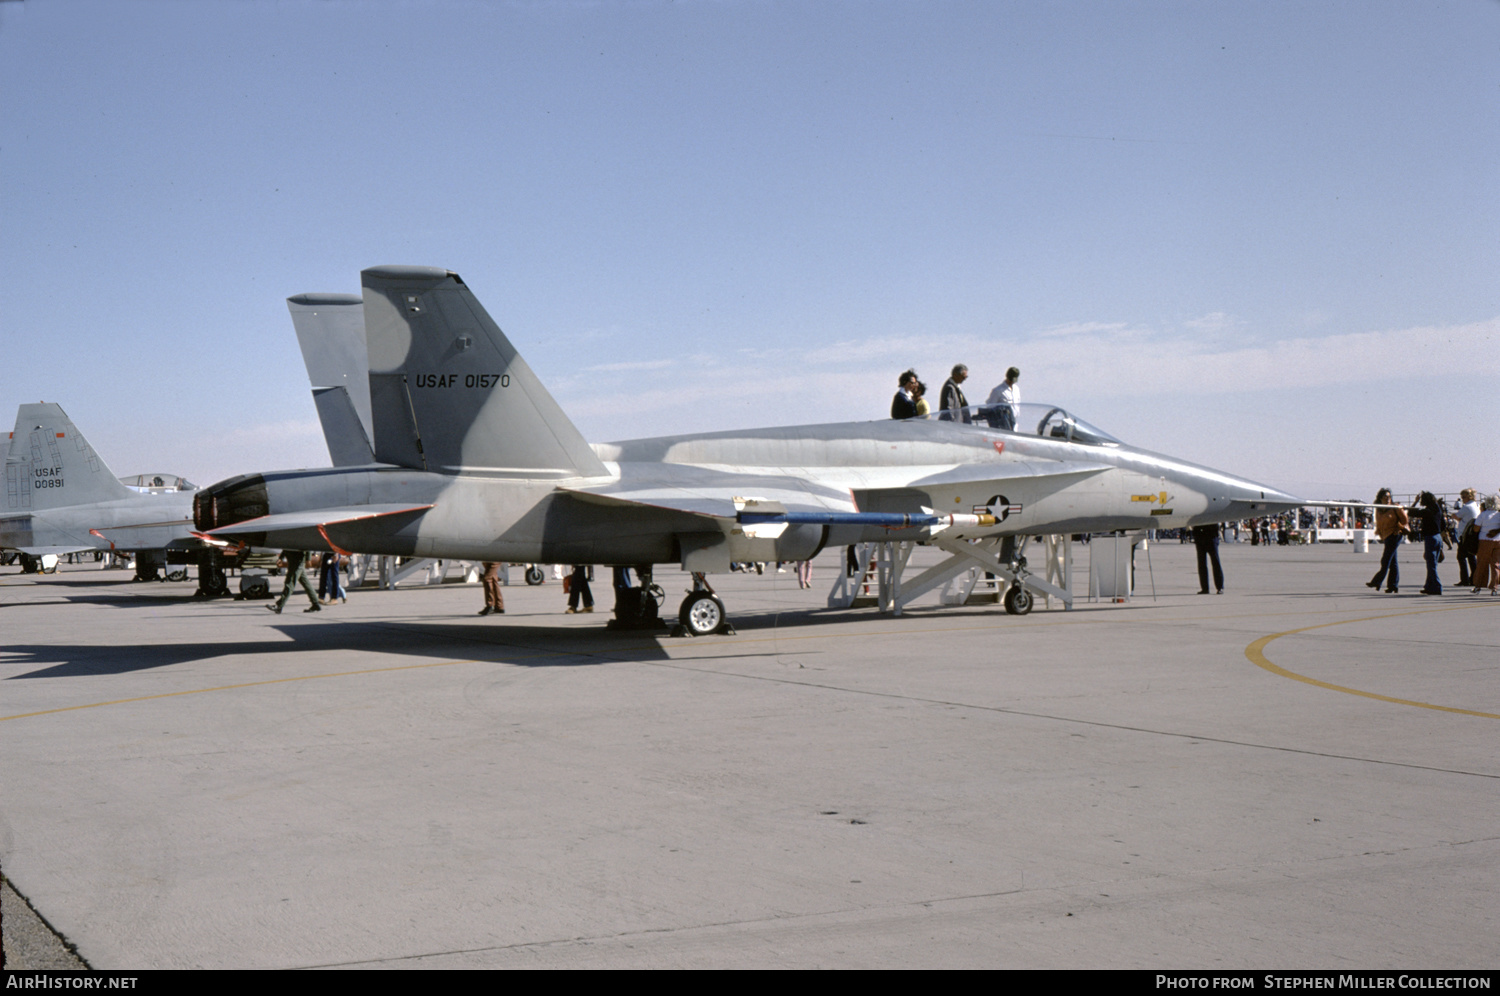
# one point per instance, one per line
(530, 646)
(165, 587)
(127, 600)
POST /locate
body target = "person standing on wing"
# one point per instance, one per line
(952, 404)
(1003, 407)
(904, 405)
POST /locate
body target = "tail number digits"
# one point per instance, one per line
(475, 381)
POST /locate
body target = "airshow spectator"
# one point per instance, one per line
(1487, 569)
(1431, 512)
(1206, 540)
(952, 406)
(1467, 544)
(903, 405)
(1390, 527)
(1003, 406)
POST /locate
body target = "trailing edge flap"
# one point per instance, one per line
(448, 391)
(313, 519)
(717, 502)
(56, 551)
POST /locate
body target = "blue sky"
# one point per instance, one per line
(1261, 236)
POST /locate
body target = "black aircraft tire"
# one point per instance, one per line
(534, 576)
(701, 613)
(178, 575)
(1017, 600)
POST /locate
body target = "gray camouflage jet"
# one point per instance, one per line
(473, 459)
(60, 498)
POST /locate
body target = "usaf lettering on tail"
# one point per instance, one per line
(472, 458)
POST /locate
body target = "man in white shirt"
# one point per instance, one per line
(1467, 512)
(1004, 404)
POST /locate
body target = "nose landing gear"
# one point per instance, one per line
(702, 613)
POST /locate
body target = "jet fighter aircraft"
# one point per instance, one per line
(60, 498)
(475, 460)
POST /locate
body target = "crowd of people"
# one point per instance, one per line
(1471, 530)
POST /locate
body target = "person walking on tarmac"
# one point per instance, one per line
(296, 574)
(1431, 512)
(578, 587)
(493, 600)
(1390, 526)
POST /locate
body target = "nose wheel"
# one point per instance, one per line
(702, 614)
(1017, 600)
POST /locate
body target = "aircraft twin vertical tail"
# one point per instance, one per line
(448, 391)
(331, 331)
(50, 464)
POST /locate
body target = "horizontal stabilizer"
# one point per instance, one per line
(312, 519)
(55, 551)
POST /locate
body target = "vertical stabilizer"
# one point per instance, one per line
(51, 465)
(331, 331)
(448, 391)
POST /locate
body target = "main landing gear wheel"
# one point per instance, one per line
(1017, 600)
(534, 575)
(177, 575)
(702, 614)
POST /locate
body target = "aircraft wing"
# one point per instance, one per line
(316, 518)
(1041, 470)
(56, 551)
(715, 495)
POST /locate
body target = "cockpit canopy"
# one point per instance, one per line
(1031, 419)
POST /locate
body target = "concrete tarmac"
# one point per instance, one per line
(1299, 773)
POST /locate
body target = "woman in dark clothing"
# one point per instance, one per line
(1431, 512)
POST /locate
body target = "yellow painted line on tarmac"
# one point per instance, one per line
(1256, 653)
(270, 681)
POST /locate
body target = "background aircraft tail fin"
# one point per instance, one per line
(50, 465)
(448, 391)
(331, 331)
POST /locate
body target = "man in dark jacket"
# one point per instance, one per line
(904, 405)
(952, 404)
(1206, 540)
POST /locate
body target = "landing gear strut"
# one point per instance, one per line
(639, 607)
